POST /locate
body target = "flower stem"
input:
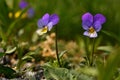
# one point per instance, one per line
(87, 51)
(92, 52)
(58, 59)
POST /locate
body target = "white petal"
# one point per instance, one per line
(91, 35)
(42, 31)
(86, 33)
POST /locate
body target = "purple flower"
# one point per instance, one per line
(46, 23)
(92, 24)
(23, 4)
(30, 12)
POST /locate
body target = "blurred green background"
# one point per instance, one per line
(69, 11)
(18, 31)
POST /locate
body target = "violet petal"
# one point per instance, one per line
(50, 25)
(54, 19)
(40, 23)
(45, 18)
(31, 12)
(86, 25)
(97, 26)
(23, 4)
(87, 20)
(100, 18)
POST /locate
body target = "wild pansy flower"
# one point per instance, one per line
(23, 4)
(92, 24)
(30, 12)
(46, 23)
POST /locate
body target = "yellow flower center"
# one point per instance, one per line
(44, 30)
(91, 30)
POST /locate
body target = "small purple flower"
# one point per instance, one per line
(23, 4)
(46, 23)
(92, 24)
(30, 12)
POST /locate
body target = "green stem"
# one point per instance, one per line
(57, 49)
(86, 42)
(92, 52)
(2, 35)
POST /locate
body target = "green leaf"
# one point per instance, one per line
(31, 53)
(57, 73)
(4, 12)
(111, 35)
(89, 71)
(35, 37)
(2, 34)
(107, 72)
(105, 48)
(9, 3)
(62, 53)
(66, 74)
(1, 54)
(118, 78)
(10, 50)
(7, 72)
(27, 57)
(11, 27)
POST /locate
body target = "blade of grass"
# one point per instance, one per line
(107, 72)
